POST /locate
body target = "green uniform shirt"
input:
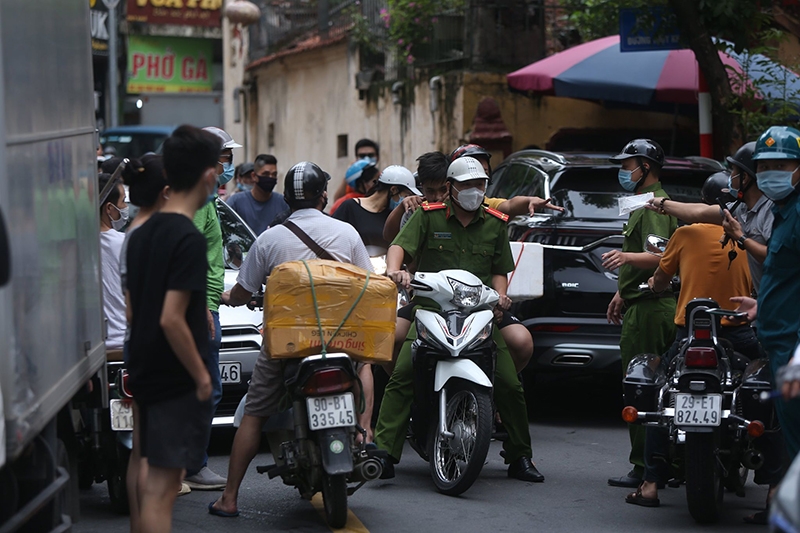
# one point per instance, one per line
(438, 241)
(642, 223)
(207, 221)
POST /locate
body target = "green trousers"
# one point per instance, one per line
(648, 327)
(509, 398)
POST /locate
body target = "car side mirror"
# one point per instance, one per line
(656, 245)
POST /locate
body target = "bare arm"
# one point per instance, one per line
(392, 226)
(734, 230)
(176, 330)
(237, 296)
(614, 259)
(500, 284)
(394, 262)
(692, 213)
(526, 205)
(660, 281)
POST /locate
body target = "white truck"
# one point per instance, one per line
(51, 319)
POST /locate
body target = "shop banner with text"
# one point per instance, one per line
(181, 12)
(169, 64)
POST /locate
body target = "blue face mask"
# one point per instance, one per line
(394, 203)
(776, 184)
(244, 186)
(733, 192)
(227, 173)
(625, 180)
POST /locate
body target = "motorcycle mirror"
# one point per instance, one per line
(655, 244)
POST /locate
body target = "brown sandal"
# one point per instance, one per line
(636, 498)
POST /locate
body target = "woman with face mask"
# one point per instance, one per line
(368, 215)
(113, 219)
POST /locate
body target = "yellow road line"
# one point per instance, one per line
(353, 525)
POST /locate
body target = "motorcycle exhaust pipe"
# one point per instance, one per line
(753, 459)
(368, 470)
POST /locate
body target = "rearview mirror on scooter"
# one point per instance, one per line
(656, 245)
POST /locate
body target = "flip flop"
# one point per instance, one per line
(218, 512)
(760, 518)
(636, 498)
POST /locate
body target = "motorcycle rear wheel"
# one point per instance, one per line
(116, 479)
(456, 462)
(334, 497)
(704, 484)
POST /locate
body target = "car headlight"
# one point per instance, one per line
(465, 296)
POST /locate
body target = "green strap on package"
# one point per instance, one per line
(316, 309)
(319, 323)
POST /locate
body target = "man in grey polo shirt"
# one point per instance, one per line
(305, 188)
(748, 220)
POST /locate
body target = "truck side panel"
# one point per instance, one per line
(51, 311)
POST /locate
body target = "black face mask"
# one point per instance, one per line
(267, 183)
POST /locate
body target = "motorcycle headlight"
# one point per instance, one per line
(484, 334)
(465, 296)
(425, 335)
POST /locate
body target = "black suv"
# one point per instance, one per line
(568, 323)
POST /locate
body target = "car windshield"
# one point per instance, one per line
(133, 144)
(237, 237)
(682, 186)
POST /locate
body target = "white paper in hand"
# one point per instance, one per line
(628, 204)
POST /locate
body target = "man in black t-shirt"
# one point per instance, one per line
(166, 294)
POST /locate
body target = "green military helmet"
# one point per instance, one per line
(778, 142)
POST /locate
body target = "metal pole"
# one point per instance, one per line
(113, 97)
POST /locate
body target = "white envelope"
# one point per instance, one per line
(628, 204)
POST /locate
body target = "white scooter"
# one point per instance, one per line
(454, 360)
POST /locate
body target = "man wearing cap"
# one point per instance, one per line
(777, 158)
(748, 219)
(207, 221)
(460, 223)
(648, 326)
(261, 205)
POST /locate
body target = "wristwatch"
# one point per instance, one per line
(740, 241)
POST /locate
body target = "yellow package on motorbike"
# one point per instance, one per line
(290, 318)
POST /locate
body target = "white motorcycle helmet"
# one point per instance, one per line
(224, 136)
(465, 169)
(399, 176)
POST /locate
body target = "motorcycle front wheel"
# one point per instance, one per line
(457, 461)
(334, 496)
(704, 484)
(116, 478)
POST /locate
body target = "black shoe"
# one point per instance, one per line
(629, 480)
(524, 469)
(388, 468)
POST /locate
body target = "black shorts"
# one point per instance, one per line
(407, 312)
(174, 433)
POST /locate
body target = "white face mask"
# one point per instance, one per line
(120, 223)
(469, 199)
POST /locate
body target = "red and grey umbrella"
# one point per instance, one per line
(597, 70)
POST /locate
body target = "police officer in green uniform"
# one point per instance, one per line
(459, 233)
(649, 318)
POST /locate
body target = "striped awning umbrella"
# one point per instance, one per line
(597, 70)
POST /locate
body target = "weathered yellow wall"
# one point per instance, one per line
(311, 98)
(534, 120)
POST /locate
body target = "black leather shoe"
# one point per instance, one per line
(388, 468)
(524, 469)
(629, 480)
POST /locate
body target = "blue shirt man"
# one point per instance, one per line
(259, 207)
